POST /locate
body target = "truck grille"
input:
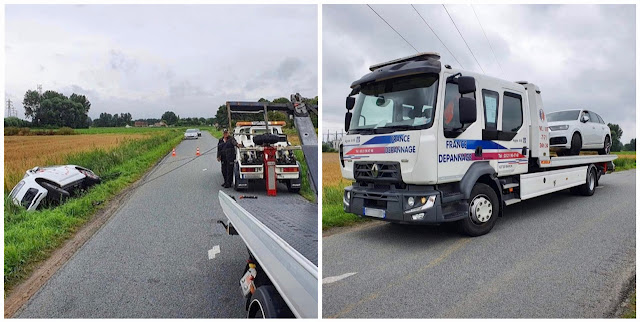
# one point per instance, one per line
(388, 172)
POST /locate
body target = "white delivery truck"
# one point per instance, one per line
(428, 144)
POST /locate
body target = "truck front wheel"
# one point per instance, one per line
(267, 303)
(483, 211)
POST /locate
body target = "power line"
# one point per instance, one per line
(445, 46)
(394, 29)
(487, 38)
(465, 42)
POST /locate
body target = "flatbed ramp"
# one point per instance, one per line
(290, 216)
(293, 274)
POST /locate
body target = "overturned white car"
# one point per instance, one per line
(52, 184)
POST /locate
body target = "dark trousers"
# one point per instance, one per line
(227, 172)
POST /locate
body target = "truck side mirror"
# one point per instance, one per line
(351, 102)
(585, 118)
(467, 109)
(466, 85)
(347, 121)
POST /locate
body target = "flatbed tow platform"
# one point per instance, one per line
(282, 275)
(297, 223)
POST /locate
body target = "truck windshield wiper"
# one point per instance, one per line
(392, 128)
(363, 131)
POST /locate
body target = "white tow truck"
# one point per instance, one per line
(280, 279)
(250, 159)
(428, 144)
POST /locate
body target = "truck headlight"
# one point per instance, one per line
(559, 127)
(410, 201)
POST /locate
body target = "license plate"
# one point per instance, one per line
(373, 212)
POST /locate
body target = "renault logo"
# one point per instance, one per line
(374, 170)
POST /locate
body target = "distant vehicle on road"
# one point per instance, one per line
(52, 185)
(199, 132)
(575, 130)
(191, 134)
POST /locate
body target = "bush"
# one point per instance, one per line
(65, 131)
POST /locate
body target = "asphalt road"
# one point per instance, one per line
(556, 256)
(150, 260)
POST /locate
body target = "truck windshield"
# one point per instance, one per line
(563, 116)
(395, 104)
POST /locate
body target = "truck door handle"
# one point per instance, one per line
(478, 151)
(524, 150)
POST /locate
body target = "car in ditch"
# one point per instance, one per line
(572, 131)
(51, 185)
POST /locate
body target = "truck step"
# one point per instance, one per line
(510, 185)
(512, 201)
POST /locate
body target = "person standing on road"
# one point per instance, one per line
(227, 155)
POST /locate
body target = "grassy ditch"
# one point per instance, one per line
(30, 237)
(630, 310)
(305, 188)
(333, 184)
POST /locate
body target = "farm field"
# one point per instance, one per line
(25, 152)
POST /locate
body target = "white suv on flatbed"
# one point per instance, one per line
(574, 130)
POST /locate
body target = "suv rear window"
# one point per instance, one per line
(28, 197)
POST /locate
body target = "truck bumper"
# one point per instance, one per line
(392, 205)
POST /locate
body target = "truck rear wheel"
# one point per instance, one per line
(589, 187)
(267, 303)
(291, 189)
(483, 211)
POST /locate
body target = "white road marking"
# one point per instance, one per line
(204, 169)
(333, 279)
(214, 251)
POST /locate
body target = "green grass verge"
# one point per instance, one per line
(624, 164)
(630, 310)
(30, 237)
(305, 189)
(625, 152)
(333, 214)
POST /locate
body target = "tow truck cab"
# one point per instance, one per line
(420, 137)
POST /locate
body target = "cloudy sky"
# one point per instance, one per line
(147, 59)
(579, 55)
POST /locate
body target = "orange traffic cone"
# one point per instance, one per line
(173, 154)
(198, 151)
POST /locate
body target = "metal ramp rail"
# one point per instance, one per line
(293, 275)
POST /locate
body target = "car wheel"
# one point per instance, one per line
(576, 144)
(606, 148)
(482, 212)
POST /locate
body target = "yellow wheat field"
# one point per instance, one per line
(25, 152)
(331, 176)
